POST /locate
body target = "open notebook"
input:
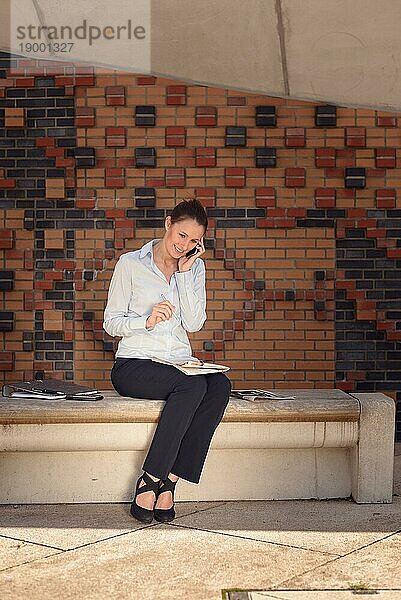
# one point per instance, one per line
(260, 395)
(193, 366)
(50, 389)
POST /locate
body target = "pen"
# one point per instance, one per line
(174, 313)
(37, 390)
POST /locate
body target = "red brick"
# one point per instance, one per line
(295, 177)
(385, 158)
(64, 80)
(114, 177)
(84, 117)
(207, 196)
(85, 80)
(325, 157)
(42, 142)
(25, 82)
(116, 137)
(386, 121)
(185, 157)
(394, 252)
(295, 137)
(386, 198)
(7, 240)
(115, 182)
(334, 174)
(6, 361)
(236, 101)
(146, 80)
(7, 183)
(299, 213)
(86, 193)
(205, 157)
(175, 177)
(376, 233)
(176, 94)
(206, 116)
(175, 136)
(124, 224)
(265, 196)
(52, 152)
(325, 197)
(379, 173)
(113, 213)
(155, 181)
(65, 264)
(355, 137)
(115, 95)
(235, 177)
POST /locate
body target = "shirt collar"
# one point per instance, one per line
(148, 248)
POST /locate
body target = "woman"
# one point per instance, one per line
(156, 295)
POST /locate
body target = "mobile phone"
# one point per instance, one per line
(194, 250)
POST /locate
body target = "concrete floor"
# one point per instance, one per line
(288, 550)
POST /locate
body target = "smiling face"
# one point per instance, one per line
(182, 236)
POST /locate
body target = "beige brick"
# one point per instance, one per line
(54, 239)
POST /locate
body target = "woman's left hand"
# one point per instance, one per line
(185, 264)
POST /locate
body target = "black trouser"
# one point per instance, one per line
(194, 406)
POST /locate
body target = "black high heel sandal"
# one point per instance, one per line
(144, 514)
(164, 515)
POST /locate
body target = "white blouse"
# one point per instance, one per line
(136, 286)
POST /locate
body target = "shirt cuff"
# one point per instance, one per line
(142, 322)
(185, 275)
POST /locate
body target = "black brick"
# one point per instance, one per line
(104, 225)
(326, 116)
(216, 212)
(145, 157)
(6, 316)
(315, 223)
(265, 157)
(44, 82)
(153, 223)
(63, 365)
(133, 213)
(145, 116)
(53, 335)
(355, 177)
(235, 136)
(145, 197)
(235, 212)
(155, 213)
(265, 116)
(235, 223)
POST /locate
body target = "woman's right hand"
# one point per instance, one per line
(163, 311)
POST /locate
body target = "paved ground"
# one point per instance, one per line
(292, 550)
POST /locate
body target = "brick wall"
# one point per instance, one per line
(304, 245)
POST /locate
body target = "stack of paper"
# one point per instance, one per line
(193, 366)
(258, 395)
(50, 389)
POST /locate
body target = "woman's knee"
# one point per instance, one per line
(194, 385)
(220, 386)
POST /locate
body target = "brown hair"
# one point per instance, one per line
(189, 209)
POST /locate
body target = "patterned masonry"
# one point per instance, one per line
(304, 245)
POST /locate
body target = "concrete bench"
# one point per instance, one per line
(323, 444)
